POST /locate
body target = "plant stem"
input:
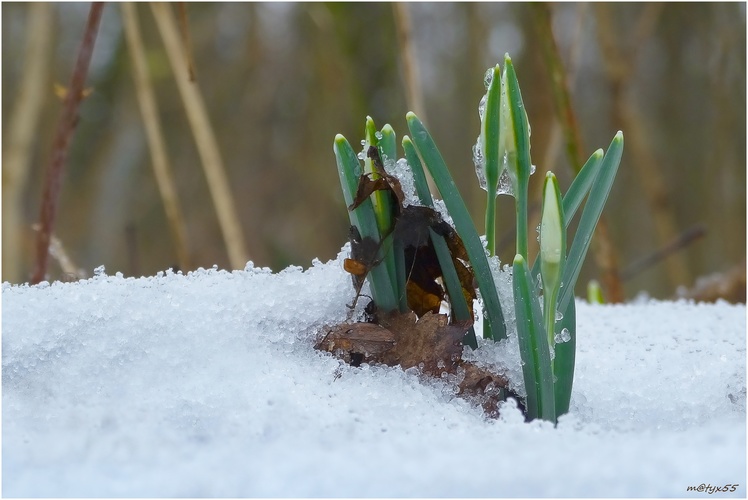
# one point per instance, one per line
(153, 131)
(205, 139)
(491, 222)
(63, 136)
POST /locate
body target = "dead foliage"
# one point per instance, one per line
(431, 343)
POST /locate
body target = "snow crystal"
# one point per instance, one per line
(563, 336)
(404, 174)
(207, 384)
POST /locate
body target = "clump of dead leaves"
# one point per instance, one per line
(421, 337)
(430, 343)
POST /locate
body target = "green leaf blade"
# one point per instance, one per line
(533, 343)
(596, 199)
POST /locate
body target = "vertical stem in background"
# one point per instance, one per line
(205, 139)
(619, 68)
(603, 248)
(21, 128)
(184, 28)
(63, 135)
(559, 87)
(153, 131)
(411, 74)
(408, 58)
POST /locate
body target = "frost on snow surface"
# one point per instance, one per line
(208, 385)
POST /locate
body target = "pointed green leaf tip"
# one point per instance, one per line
(518, 259)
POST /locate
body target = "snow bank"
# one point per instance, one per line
(207, 385)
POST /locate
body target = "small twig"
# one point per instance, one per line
(153, 130)
(57, 252)
(63, 136)
(205, 139)
(679, 243)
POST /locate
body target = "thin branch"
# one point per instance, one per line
(58, 253)
(17, 150)
(205, 138)
(684, 239)
(63, 136)
(156, 142)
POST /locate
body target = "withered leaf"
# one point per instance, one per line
(413, 223)
(366, 186)
(423, 292)
(377, 181)
(357, 341)
(430, 342)
(355, 267)
(394, 182)
(421, 301)
(363, 256)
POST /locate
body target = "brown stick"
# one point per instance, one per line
(602, 247)
(63, 135)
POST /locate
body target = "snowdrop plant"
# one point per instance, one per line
(543, 293)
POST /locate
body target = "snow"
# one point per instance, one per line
(207, 384)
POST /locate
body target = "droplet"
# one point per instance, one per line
(562, 337)
(505, 183)
(488, 78)
(479, 162)
(540, 282)
(559, 316)
(532, 169)
(482, 106)
(378, 135)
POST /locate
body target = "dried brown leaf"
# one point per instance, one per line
(357, 342)
(430, 342)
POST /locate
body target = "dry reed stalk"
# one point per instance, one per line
(22, 125)
(63, 136)
(205, 139)
(411, 74)
(153, 130)
(603, 248)
(184, 28)
(620, 69)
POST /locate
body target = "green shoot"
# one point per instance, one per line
(363, 217)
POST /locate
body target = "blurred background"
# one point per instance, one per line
(279, 80)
